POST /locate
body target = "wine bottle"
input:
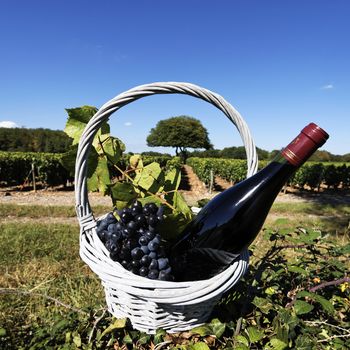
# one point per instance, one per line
(229, 222)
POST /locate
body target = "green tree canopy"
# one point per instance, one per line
(180, 132)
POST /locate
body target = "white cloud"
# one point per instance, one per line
(127, 123)
(327, 87)
(8, 124)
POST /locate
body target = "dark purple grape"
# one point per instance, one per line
(126, 217)
(111, 218)
(152, 207)
(163, 263)
(111, 246)
(150, 235)
(145, 210)
(132, 226)
(137, 253)
(137, 204)
(163, 276)
(160, 212)
(145, 249)
(152, 220)
(143, 271)
(153, 265)
(130, 243)
(128, 233)
(153, 246)
(152, 229)
(145, 260)
(124, 263)
(153, 274)
(135, 211)
(116, 236)
(156, 239)
(135, 264)
(102, 235)
(143, 240)
(153, 255)
(140, 220)
(112, 228)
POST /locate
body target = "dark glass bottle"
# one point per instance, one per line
(231, 220)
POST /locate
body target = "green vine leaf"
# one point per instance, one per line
(302, 307)
(77, 120)
(150, 178)
(122, 193)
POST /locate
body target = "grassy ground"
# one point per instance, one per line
(42, 276)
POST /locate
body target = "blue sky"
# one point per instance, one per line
(281, 64)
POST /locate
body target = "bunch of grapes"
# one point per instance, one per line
(133, 241)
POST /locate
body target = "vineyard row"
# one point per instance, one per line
(16, 168)
(311, 174)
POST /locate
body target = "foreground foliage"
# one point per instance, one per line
(295, 296)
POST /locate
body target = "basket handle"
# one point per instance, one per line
(83, 208)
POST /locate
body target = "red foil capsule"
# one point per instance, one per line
(305, 144)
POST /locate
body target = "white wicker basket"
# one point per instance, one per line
(153, 304)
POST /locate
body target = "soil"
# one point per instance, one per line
(191, 187)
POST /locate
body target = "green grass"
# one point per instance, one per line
(44, 259)
(39, 211)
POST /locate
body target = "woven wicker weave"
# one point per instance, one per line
(153, 304)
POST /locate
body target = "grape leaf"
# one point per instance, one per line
(136, 163)
(109, 146)
(99, 179)
(218, 327)
(77, 120)
(254, 334)
(122, 192)
(150, 178)
(302, 307)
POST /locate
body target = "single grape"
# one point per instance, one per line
(137, 204)
(153, 265)
(145, 260)
(152, 220)
(163, 276)
(130, 243)
(156, 239)
(152, 229)
(124, 263)
(143, 271)
(150, 235)
(132, 226)
(127, 232)
(145, 249)
(153, 246)
(111, 218)
(145, 210)
(160, 212)
(140, 220)
(116, 236)
(135, 264)
(153, 208)
(163, 263)
(137, 253)
(153, 274)
(143, 240)
(136, 210)
(126, 217)
(153, 255)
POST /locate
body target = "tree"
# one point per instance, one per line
(180, 132)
